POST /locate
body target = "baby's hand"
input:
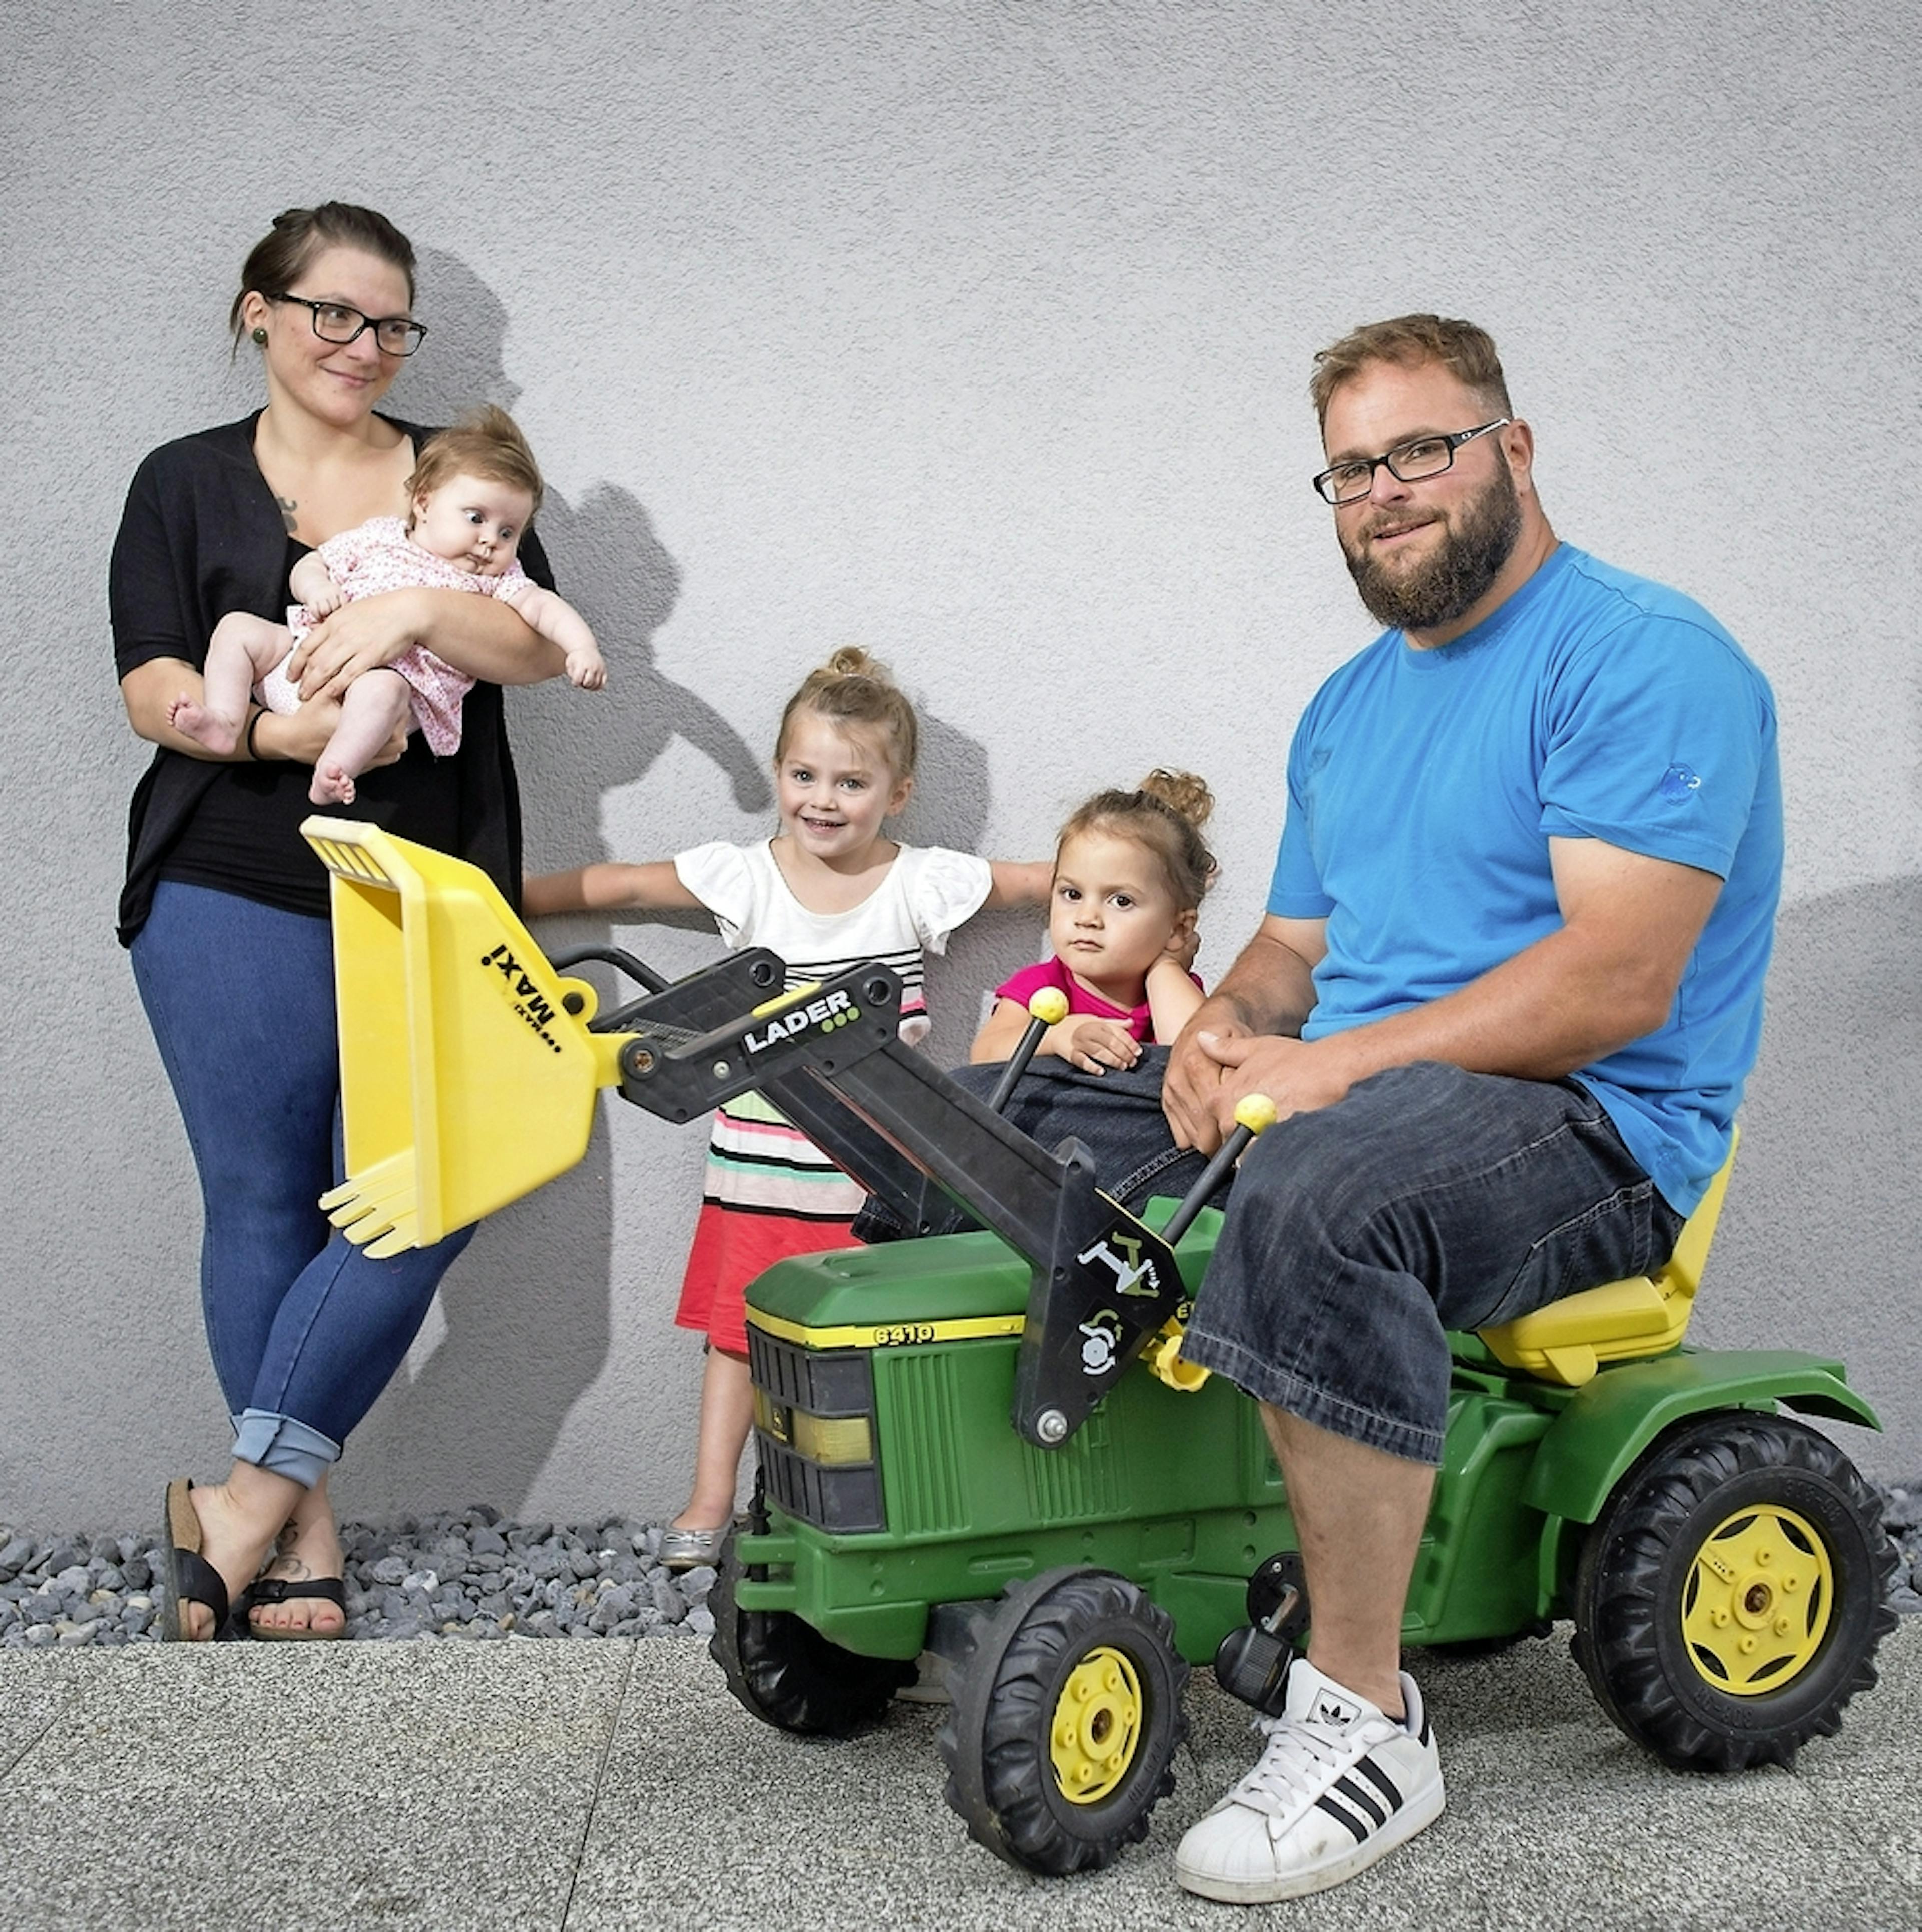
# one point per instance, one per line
(587, 669)
(1092, 1045)
(311, 582)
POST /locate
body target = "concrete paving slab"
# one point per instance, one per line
(258, 1785)
(1552, 1814)
(33, 1692)
(589, 1786)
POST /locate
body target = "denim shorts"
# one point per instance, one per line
(1428, 1199)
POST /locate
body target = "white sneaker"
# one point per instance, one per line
(1337, 1787)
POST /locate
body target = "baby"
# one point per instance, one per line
(472, 496)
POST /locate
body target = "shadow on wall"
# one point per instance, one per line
(1817, 1249)
(523, 1324)
(949, 807)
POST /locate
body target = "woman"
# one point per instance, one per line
(225, 907)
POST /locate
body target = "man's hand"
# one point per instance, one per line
(1266, 994)
(1190, 1088)
(1299, 1076)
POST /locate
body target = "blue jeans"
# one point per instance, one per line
(1428, 1199)
(304, 1328)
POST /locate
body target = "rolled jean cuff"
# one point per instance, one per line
(283, 1446)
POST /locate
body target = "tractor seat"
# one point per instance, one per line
(1646, 1315)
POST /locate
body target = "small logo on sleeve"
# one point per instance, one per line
(1677, 781)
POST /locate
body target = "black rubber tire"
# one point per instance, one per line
(1634, 1581)
(784, 1671)
(995, 1739)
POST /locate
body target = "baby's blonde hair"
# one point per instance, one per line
(853, 692)
(1165, 812)
(487, 443)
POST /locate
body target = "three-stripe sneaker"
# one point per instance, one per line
(1337, 1787)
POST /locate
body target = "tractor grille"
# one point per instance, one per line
(814, 1424)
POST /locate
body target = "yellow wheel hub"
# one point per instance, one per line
(1757, 1603)
(1096, 1727)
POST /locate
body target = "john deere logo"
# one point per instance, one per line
(830, 1011)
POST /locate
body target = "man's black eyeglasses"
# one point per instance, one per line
(1410, 462)
(335, 321)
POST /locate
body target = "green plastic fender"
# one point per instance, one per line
(1590, 1446)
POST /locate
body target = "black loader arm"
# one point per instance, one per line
(831, 1057)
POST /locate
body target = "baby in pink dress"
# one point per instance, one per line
(472, 496)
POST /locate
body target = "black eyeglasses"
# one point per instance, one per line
(335, 321)
(1409, 462)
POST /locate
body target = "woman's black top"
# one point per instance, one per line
(201, 535)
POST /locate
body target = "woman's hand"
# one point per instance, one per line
(1091, 1044)
(363, 636)
(299, 737)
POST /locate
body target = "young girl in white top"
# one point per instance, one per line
(828, 891)
(471, 498)
(1130, 872)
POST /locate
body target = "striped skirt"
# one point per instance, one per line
(769, 1192)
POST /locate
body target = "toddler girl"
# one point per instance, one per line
(475, 491)
(828, 890)
(1130, 872)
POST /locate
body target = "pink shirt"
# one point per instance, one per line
(1031, 979)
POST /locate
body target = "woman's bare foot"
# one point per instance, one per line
(204, 727)
(333, 784)
(239, 1520)
(308, 1548)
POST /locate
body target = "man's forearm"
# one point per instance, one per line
(1269, 989)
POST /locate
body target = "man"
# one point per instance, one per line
(1505, 998)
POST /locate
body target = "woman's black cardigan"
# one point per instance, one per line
(202, 535)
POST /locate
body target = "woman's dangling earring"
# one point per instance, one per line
(260, 338)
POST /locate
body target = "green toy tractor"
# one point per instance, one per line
(985, 1446)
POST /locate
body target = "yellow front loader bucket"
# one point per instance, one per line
(467, 1072)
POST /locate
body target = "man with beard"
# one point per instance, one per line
(1506, 997)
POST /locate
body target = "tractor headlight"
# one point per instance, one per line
(813, 1417)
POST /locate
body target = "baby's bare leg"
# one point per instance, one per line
(376, 701)
(242, 650)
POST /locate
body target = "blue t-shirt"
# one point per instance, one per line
(1424, 786)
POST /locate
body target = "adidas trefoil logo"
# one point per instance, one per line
(1333, 1711)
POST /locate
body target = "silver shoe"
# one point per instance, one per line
(688, 1549)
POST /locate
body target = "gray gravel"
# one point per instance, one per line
(472, 1576)
(1901, 1517)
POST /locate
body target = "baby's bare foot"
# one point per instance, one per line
(333, 784)
(204, 727)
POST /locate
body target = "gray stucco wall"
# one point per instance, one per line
(977, 333)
